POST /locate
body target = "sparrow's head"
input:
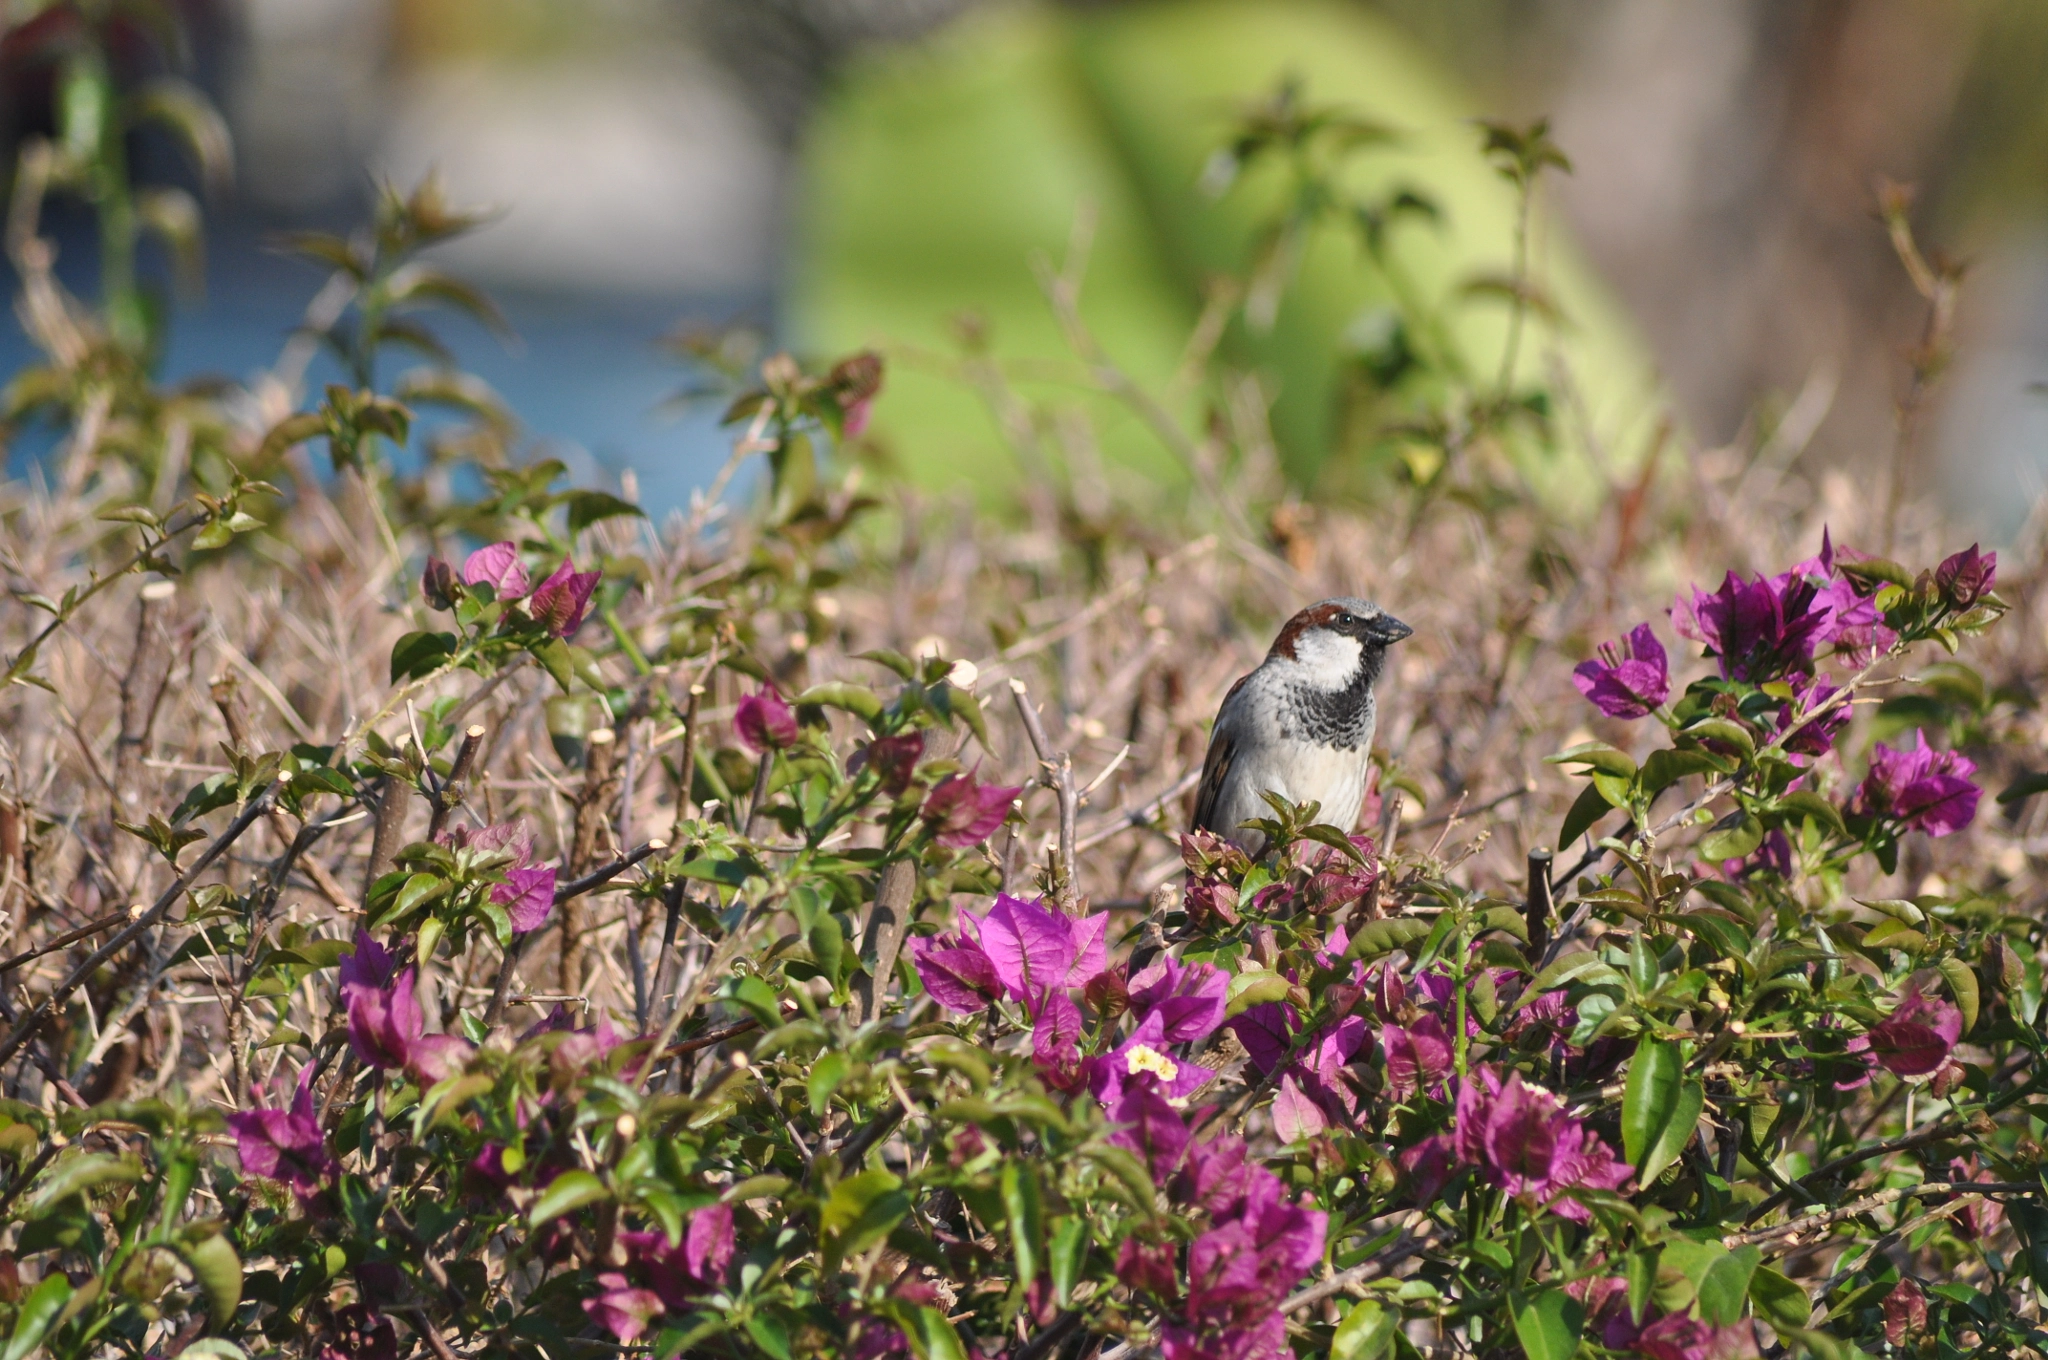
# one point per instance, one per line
(1333, 639)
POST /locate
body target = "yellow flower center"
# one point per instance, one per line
(1145, 1058)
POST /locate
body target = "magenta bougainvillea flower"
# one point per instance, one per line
(438, 584)
(962, 812)
(1147, 1123)
(286, 1145)
(955, 970)
(498, 567)
(1759, 629)
(1189, 998)
(686, 1269)
(1522, 1140)
(1966, 577)
(1916, 1038)
(1925, 789)
(1149, 1265)
(560, 602)
(1418, 1057)
(528, 892)
(1628, 679)
(893, 759)
(1056, 1041)
(764, 722)
(385, 1025)
(527, 895)
(1811, 735)
(1142, 1059)
(1036, 949)
(1259, 1244)
(623, 1309)
(1659, 1336)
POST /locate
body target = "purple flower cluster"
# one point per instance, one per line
(963, 812)
(764, 722)
(528, 892)
(1041, 958)
(1923, 789)
(1257, 1246)
(385, 1025)
(1915, 1040)
(1316, 1087)
(1630, 678)
(560, 602)
(1520, 1138)
(1771, 627)
(661, 1274)
(286, 1145)
(1659, 1336)
(1966, 577)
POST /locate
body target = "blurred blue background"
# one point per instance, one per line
(844, 172)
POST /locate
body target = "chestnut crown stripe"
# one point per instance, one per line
(1374, 625)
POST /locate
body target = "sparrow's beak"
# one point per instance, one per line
(1386, 628)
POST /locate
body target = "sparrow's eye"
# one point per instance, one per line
(1346, 620)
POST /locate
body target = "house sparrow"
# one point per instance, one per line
(1301, 724)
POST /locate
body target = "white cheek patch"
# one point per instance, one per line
(1328, 659)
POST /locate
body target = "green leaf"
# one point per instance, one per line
(1383, 937)
(1024, 1208)
(418, 654)
(1122, 1164)
(1561, 970)
(1548, 1324)
(1725, 1286)
(1254, 987)
(757, 998)
(825, 1076)
(1505, 919)
(1728, 939)
(1586, 813)
(1366, 1333)
(1778, 1301)
(1814, 808)
(75, 1175)
(1649, 1099)
(2023, 788)
(934, 1338)
(895, 661)
(38, 1311)
(861, 1210)
(1665, 768)
(588, 507)
(418, 890)
(769, 1334)
(855, 699)
(556, 659)
(1725, 730)
(1068, 1254)
(566, 1193)
(756, 1187)
(1732, 837)
(1596, 755)
(1962, 985)
(215, 1265)
(1676, 1133)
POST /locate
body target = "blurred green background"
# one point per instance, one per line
(904, 172)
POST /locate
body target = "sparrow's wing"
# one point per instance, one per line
(1216, 765)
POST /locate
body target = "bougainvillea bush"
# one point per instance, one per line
(445, 913)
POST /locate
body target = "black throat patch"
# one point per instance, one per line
(1334, 717)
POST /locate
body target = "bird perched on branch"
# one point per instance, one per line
(1301, 724)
